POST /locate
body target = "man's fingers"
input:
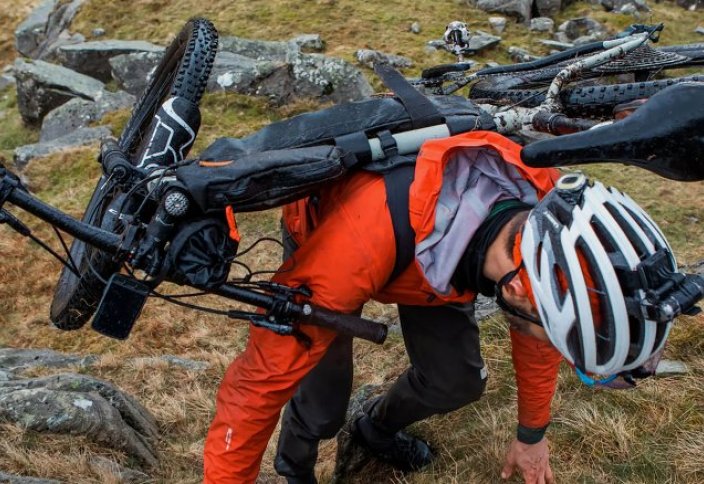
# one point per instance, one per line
(507, 471)
(549, 478)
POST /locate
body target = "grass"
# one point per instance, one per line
(649, 435)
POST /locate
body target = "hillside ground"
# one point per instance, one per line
(653, 434)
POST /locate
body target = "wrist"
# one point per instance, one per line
(530, 435)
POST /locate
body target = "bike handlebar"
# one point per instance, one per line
(347, 324)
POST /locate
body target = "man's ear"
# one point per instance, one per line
(515, 288)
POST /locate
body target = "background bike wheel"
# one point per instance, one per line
(184, 72)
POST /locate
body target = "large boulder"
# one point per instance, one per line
(259, 49)
(12, 359)
(79, 113)
(80, 405)
(238, 73)
(45, 29)
(328, 79)
(93, 58)
(13, 479)
(132, 71)
(520, 9)
(75, 139)
(300, 75)
(42, 86)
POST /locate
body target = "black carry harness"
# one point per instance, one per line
(398, 180)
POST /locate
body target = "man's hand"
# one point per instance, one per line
(532, 460)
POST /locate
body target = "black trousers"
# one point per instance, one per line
(446, 373)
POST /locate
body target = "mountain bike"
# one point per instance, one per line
(157, 217)
(591, 93)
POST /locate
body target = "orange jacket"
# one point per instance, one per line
(347, 252)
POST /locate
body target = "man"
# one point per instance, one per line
(468, 205)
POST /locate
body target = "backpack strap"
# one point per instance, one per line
(398, 182)
(422, 112)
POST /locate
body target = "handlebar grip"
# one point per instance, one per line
(346, 324)
(114, 161)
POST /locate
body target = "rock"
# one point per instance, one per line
(93, 58)
(22, 358)
(481, 40)
(691, 5)
(98, 32)
(351, 456)
(44, 30)
(13, 479)
(120, 473)
(498, 24)
(435, 44)
(484, 307)
(579, 27)
(557, 45)
(5, 375)
(6, 81)
(671, 368)
(625, 6)
(79, 113)
(80, 137)
(259, 49)
(370, 57)
(542, 24)
(237, 73)
(548, 8)
(699, 30)
(81, 405)
(521, 9)
(309, 43)
(324, 78)
(186, 363)
(518, 54)
(42, 87)
(132, 71)
(561, 37)
(415, 28)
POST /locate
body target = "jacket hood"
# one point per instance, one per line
(457, 181)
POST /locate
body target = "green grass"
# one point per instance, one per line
(12, 132)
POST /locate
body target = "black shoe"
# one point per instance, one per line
(400, 450)
(309, 479)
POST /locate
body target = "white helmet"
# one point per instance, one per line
(603, 278)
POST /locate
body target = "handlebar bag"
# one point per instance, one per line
(262, 180)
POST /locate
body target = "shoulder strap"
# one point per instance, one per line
(398, 182)
(419, 108)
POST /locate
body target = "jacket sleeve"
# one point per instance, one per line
(536, 364)
(265, 376)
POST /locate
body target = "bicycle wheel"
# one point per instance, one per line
(184, 72)
(588, 101)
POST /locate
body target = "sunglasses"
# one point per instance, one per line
(503, 304)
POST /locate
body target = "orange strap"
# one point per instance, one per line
(232, 223)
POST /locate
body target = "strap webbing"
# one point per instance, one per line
(398, 182)
(422, 112)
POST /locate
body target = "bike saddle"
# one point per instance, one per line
(665, 136)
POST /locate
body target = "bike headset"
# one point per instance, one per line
(595, 267)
